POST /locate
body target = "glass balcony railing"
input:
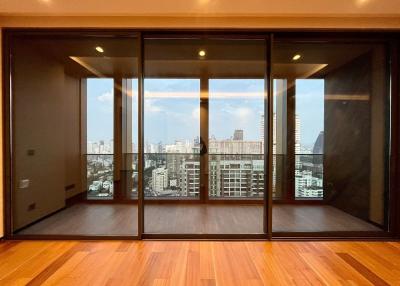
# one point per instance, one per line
(177, 175)
(279, 176)
(171, 175)
(130, 175)
(309, 176)
(100, 177)
(236, 176)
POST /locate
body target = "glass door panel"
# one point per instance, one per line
(236, 152)
(171, 157)
(100, 138)
(235, 105)
(171, 138)
(203, 136)
(69, 167)
(172, 166)
(331, 129)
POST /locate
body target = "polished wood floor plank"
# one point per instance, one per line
(33, 266)
(364, 271)
(300, 271)
(199, 263)
(11, 260)
(58, 263)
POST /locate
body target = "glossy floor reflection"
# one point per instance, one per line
(102, 219)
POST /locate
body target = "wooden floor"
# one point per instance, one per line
(199, 263)
(100, 219)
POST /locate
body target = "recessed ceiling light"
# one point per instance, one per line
(99, 49)
(296, 57)
(202, 53)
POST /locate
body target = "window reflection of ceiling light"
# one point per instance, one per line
(99, 49)
(361, 2)
(296, 57)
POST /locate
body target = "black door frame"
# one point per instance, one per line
(389, 37)
(204, 129)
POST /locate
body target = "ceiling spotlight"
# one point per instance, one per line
(99, 49)
(296, 57)
(202, 53)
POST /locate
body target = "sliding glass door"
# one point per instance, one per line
(204, 136)
(181, 135)
(331, 144)
(74, 114)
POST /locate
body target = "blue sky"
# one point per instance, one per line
(100, 109)
(241, 108)
(310, 109)
(172, 108)
(170, 118)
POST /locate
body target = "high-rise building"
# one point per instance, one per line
(319, 144)
(235, 146)
(238, 135)
(307, 185)
(179, 147)
(190, 178)
(159, 179)
(262, 128)
(232, 177)
(297, 135)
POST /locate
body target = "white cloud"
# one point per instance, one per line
(106, 97)
(151, 106)
(196, 113)
(243, 112)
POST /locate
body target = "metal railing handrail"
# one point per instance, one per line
(219, 154)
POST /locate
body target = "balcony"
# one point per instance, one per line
(212, 112)
(232, 207)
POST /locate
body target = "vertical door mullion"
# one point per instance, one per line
(8, 133)
(291, 139)
(140, 136)
(268, 138)
(204, 132)
(118, 189)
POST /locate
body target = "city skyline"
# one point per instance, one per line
(175, 168)
(235, 110)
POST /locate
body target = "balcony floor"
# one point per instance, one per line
(121, 219)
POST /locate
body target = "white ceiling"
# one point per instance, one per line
(202, 7)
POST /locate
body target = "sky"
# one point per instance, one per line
(172, 109)
(310, 109)
(100, 109)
